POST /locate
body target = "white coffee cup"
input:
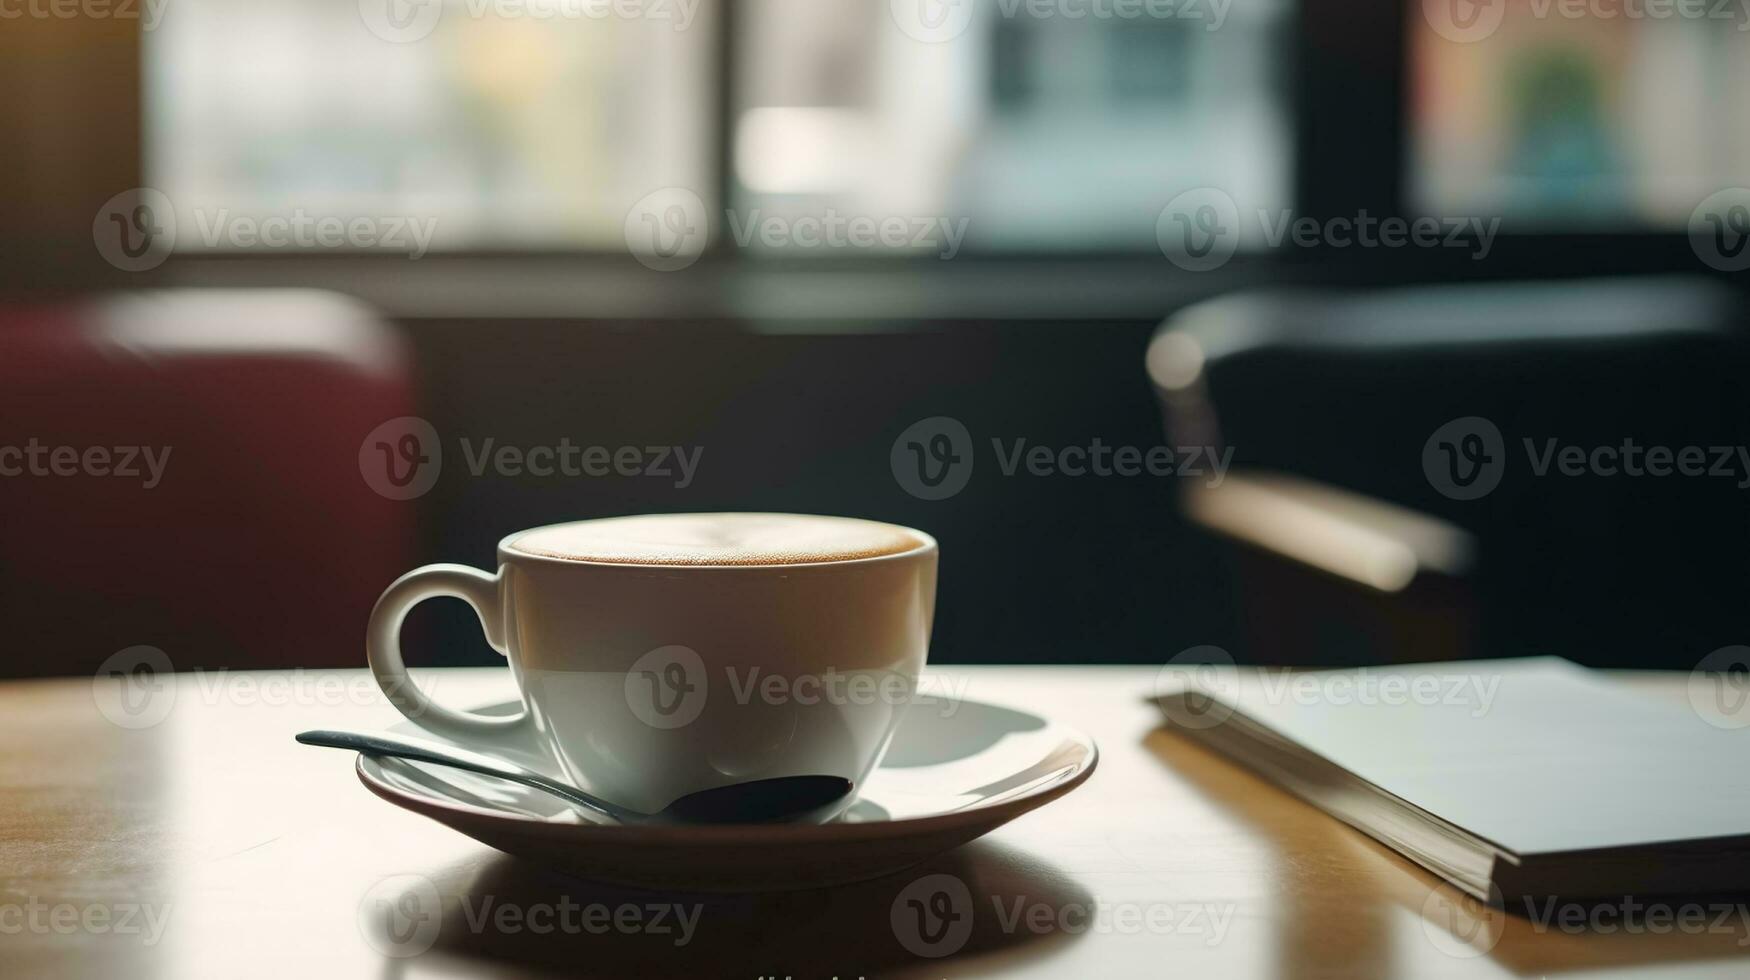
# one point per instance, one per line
(645, 680)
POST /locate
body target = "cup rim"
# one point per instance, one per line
(926, 545)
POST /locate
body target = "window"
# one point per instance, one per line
(1600, 116)
(509, 130)
(1043, 130)
(540, 124)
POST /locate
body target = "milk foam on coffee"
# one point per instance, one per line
(718, 539)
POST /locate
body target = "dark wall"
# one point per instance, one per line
(802, 417)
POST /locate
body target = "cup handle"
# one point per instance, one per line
(383, 647)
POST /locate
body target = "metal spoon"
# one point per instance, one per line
(786, 799)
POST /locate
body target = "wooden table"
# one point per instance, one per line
(210, 845)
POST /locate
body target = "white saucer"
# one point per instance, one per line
(956, 770)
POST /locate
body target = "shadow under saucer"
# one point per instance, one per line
(507, 917)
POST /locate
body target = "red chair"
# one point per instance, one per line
(245, 535)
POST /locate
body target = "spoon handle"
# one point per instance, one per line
(420, 750)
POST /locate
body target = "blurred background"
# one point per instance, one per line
(320, 258)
